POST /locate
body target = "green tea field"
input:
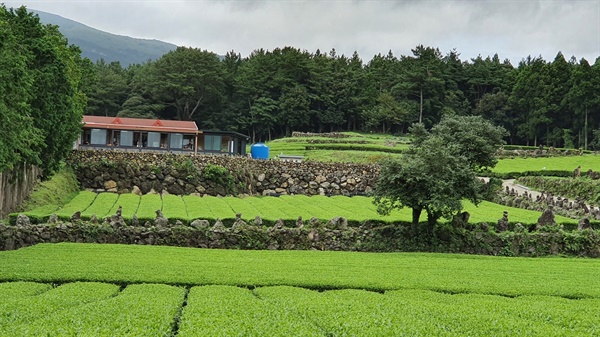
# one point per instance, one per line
(117, 290)
(356, 209)
(357, 148)
(563, 163)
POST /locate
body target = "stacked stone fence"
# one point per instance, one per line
(217, 175)
(322, 134)
(335, 235)
(15, 186)
(511, 151)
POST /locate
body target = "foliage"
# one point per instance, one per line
(57, 190)
(422, 312)
(188, 79)
(283, 293)
(477, 139)
(139, 310)
(356, 148)
(224, 310)
(12, 290)
(561, 163)
(129, 203)
(438, 171)
(20, 313)
(79, 203)
(108, 90)
(270, 93)
(220, 176)
(230, 311)
(356, 210)
(101, 207)
(451, 273)
(186, 166)
(581, 188)
(41, 99)
(174, 208)
(148, 206)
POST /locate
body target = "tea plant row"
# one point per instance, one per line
(98, 309)
(450, 273)
(357, 209)
(89, 309)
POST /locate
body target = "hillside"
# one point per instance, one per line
(96, 44)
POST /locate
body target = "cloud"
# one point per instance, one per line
(513, 29)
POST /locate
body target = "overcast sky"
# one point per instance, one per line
(513, 29)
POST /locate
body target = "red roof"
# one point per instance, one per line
(124, 123)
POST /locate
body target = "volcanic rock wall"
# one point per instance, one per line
(217, 175)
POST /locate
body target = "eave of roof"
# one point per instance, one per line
(116, 123)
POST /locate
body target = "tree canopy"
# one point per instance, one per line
(41, 102)
(439, 170)
(270, 93)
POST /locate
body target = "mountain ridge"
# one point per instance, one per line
(96, 44)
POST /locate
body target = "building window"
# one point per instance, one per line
(86, 137)
(115, 140)
(140, 139)
(98, 137)
(176, 141)
(188, 142)
(153, 139)
(212, 142)
(126, 138)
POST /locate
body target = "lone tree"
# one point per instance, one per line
(439, 170)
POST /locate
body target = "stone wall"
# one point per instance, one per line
(217, 175)
(15, 186)
(371, 237)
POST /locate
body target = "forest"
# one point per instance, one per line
(271, 93)
(41, 97)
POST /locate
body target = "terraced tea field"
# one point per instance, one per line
(564, 163)
(99, 290)
(188, 208)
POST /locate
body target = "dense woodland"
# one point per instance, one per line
(41, 101)
(271, 93)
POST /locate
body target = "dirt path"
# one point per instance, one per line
(510, 183)
(520, 189)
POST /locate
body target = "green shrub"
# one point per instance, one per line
(221, 176)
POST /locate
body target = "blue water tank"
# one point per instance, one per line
(259, 151)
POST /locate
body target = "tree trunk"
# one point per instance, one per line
(585, 131)
(416, 215)
(432, 218)
(421, 107)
